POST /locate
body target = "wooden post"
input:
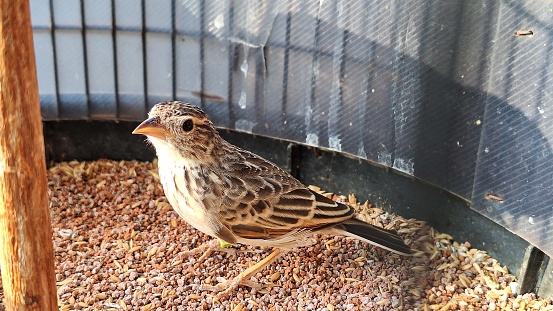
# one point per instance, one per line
(26, 251)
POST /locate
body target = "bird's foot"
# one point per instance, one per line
(226, 286)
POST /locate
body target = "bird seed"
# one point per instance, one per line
(118, 246)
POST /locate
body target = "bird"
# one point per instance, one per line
(238, 197)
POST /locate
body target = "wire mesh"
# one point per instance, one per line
(456, 93)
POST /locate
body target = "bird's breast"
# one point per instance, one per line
(183, 191)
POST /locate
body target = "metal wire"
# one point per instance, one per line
(442, 91)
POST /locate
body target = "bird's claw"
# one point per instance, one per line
(226, 286)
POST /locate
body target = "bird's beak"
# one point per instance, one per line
(151, 127)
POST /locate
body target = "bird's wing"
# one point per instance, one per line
(261, 201)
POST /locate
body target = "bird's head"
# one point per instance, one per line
(179, 128)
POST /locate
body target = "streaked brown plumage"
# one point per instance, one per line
(238, 197)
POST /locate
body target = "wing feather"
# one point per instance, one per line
(262, 202)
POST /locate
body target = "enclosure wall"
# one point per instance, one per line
(455, 93)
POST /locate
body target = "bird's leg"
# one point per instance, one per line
(208, 248)
(227, 286)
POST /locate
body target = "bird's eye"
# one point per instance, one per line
(188, 125)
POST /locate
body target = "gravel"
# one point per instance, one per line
(119, 246)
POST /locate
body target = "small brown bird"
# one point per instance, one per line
(240, 198)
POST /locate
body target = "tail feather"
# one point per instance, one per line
(387, 239)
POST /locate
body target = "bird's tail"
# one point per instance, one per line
(387, 239)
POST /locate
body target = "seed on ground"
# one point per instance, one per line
(118, 245)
